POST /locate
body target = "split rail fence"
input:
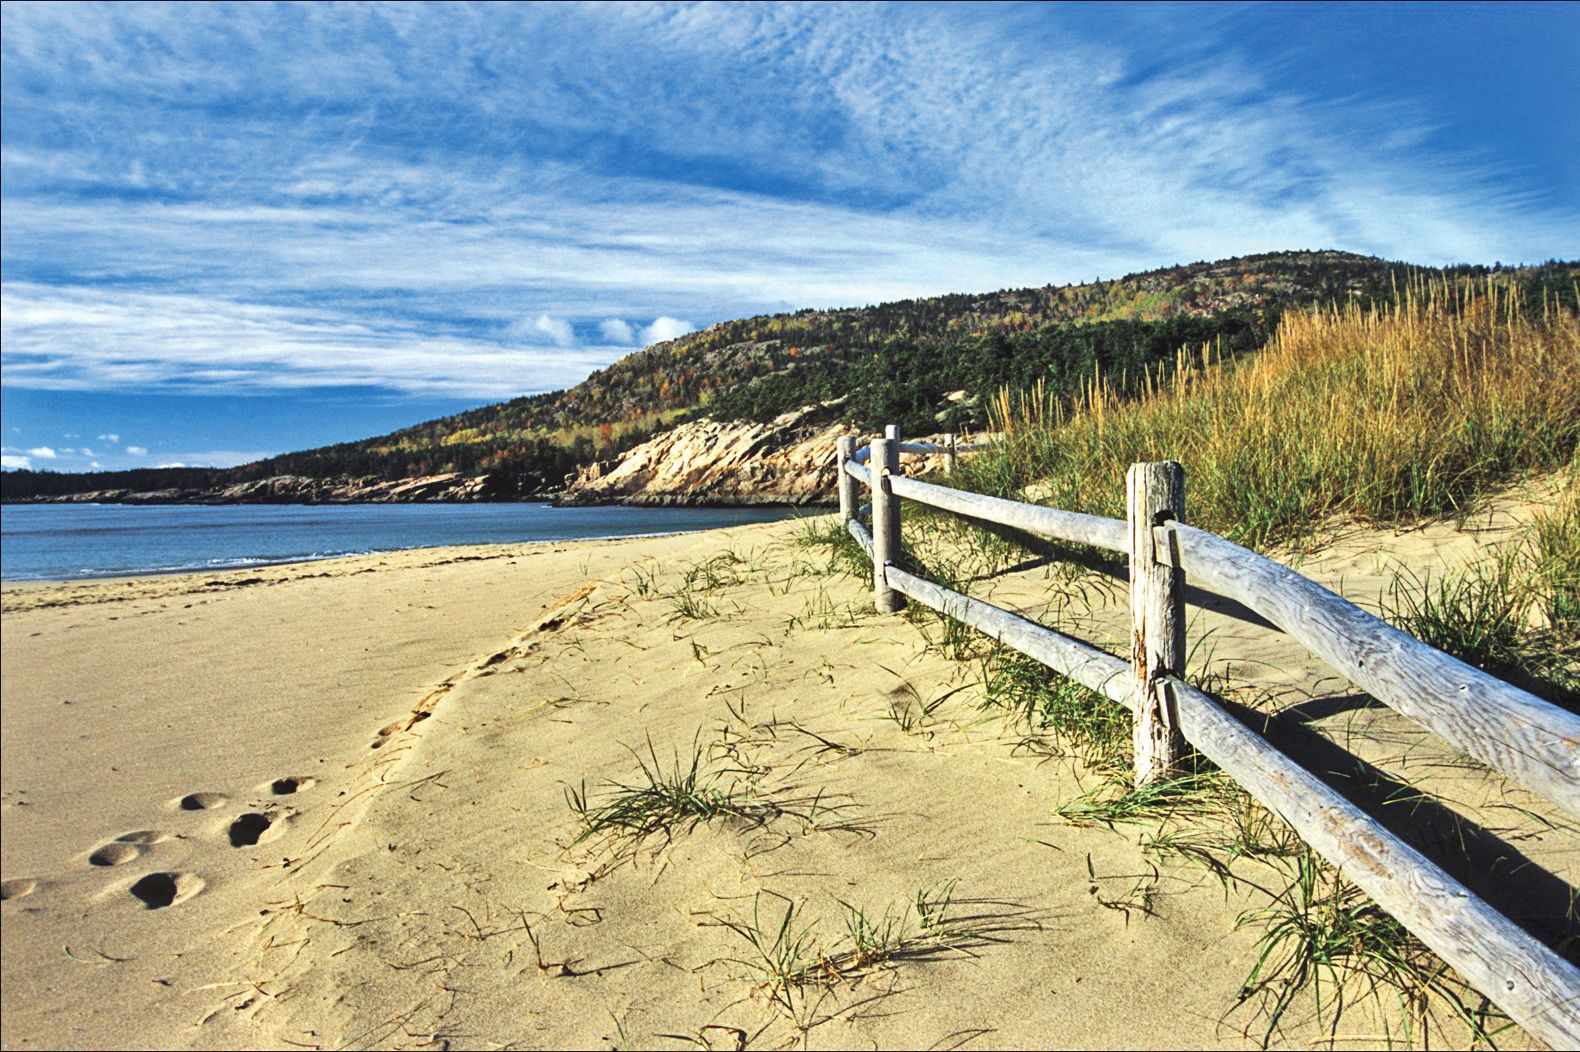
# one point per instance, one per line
(1529, 740)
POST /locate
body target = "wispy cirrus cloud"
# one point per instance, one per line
(168, 340)
(486, 201)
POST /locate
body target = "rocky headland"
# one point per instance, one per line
(298, 489)
(788, 460)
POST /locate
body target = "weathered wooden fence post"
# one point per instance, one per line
(949, 454)
(847, 482)
(1155, 494)
(885, 522)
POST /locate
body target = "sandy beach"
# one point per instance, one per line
(329, 805)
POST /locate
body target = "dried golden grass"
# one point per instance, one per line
(1389, 414)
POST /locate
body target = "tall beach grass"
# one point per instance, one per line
(1387, 414)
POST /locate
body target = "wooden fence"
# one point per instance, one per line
(1519, 734)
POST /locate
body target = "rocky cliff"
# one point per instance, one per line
(790, 460)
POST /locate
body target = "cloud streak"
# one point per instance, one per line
(488, 201)
(182, 342)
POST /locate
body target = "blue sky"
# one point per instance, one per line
(236, 230)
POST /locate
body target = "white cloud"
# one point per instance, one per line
(557, 330)
(665, 328)
(42, 453)
(181, 342)
(137, 451)
(15, 463)
(617, 331)
(88, 452)
(112, 439)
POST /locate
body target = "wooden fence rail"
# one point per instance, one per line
(1532, 741)
(1528, 739)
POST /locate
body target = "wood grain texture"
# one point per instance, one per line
(1070, 526)
(1155, 493)
(942, 447)
(885, 524)
(1533, 742)
(847, 483)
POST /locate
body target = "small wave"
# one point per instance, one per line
(88, 573)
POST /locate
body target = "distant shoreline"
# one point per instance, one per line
(555, 499)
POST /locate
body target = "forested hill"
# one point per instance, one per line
(921, 363)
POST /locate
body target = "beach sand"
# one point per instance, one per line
(326, 805)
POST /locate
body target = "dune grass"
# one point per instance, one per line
(1514, 613)
(1322, 938)
(790, 961)
(1389, 415)
(666, 799)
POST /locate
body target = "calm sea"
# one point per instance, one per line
(63, 541)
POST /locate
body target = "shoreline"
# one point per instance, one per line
(334, 565)
(8, 583)
(245, 563)
(554, 499)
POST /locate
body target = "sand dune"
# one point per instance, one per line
(329, 805)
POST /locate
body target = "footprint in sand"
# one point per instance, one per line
(19, 888)
(255, 827)
(142, 836)
(125, 847)
(202, 801)
(158, 890)
(114, 854)
(292, 784)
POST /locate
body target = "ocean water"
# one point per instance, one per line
(66, 541)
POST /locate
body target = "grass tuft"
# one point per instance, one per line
(828, 534)
(790, 960)
(1075, 720)
(1513, 614)
(685, 794)
(1188, 795)
(1323, 937)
